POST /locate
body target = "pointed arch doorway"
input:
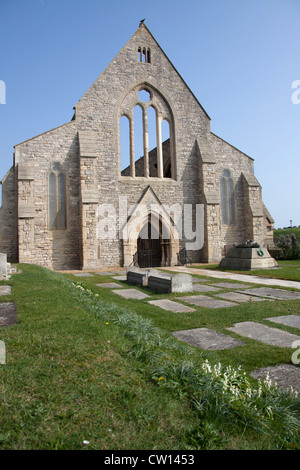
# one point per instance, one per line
(149, 249)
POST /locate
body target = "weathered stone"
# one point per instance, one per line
(83, 275)
(288, 320)
(265, 334)
(104, 273)
(3, 266)
(273, 293)
(205, 338)
(248, 258)
(203, 288)
(207, 302)
(2, 353)
(110, 285)
(131, 294)
(171, 306)
(230, 285)
(238, 297)
(5, 290)
(286, 376)
(8, 314)
(137, 276)
(166, 284)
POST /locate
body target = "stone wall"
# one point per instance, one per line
(8, 217)
(88, 151)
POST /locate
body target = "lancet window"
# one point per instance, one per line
(227, 198)
(57, 198)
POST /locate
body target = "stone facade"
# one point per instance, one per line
(66, 197)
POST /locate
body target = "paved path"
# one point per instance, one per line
(235, 276)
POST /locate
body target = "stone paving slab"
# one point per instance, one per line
(205, 338)
(111, 285)
(82, 274)
(288, 320)
(5, 290)
(203, 288)
(238, 297)
(265, 334)
(8, 314)
(231, 285)
(120, 278)
(285, 375)
(198, 280)
(207, 302)
(276, 294)
(171, 306)
(131, 294)
(104, 273)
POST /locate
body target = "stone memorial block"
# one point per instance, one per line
(247, 256)
(166, 284)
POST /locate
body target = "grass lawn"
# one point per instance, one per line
(288, 270)
(84, 364)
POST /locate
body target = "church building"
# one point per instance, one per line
(136, 177)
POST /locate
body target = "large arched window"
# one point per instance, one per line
(227, 199)
(151, 135)
(57, 198)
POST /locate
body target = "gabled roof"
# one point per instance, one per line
(143, 26)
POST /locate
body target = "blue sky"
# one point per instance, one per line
(239, 57)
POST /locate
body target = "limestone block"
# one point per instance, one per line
(3, 265)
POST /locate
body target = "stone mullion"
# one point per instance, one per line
(146, 144)
(160, 163)
(132, 150)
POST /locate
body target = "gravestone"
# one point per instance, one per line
(284, 375)
(131, 294)
(5, 290)
(2, 353)
(166, 284)
(265, 334)
(8, 314)
(3, 266)
(160, 281)
(288, 320)
(272, 293)
(205, 338)
(171, 306)
(207, 302)
(110, 285)
(238, 297)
